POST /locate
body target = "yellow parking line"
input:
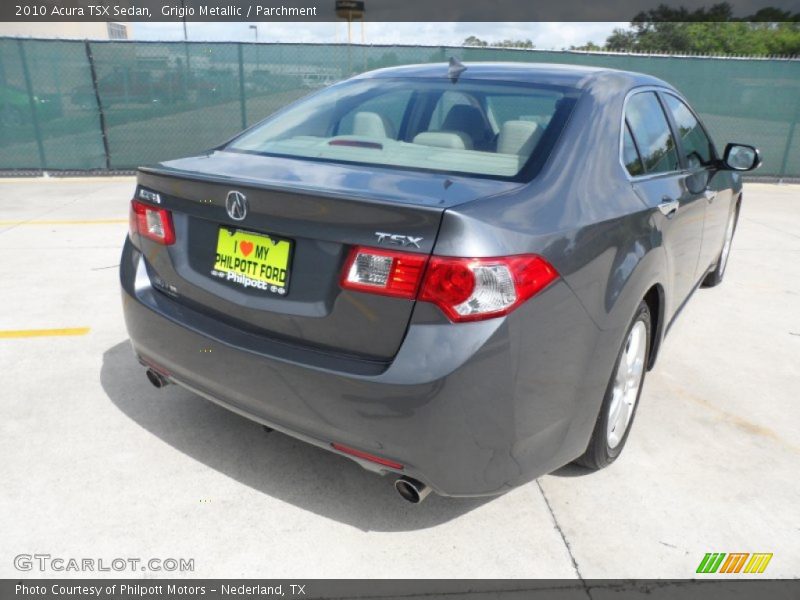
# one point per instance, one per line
(67, 222)
(27, 333)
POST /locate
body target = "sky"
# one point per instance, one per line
(545, 36)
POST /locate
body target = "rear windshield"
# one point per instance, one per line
(491, 129)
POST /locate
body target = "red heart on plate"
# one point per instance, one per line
(246, 247)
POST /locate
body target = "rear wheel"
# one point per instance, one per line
(622, 395)
(715, 277)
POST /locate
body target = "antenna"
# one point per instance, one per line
(455, 69)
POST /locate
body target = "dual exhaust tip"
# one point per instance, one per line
(410, 489)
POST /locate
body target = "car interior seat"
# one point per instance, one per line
(370, 124)
(518, 137)
(470, 121)
(444, 139)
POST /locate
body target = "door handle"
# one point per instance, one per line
(710, 195)
(669, 207)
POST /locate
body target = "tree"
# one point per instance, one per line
(513, 44)
(709, 31)
(587, 47)
(477, 42)
(474, 41)
(712, 30)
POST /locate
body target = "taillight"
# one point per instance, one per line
(465, 289)
(152, 222)
(383, 272)
(471, 289)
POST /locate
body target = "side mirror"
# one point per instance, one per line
(741, 157)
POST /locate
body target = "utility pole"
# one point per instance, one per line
(185, 39)
(351, 9)
(183, 13)
(258, 58)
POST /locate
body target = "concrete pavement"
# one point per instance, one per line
(98, 463)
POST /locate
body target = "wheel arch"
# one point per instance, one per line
(654, 298)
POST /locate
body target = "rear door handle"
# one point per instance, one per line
(710, 195)
(669, 207)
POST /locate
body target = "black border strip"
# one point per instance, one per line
(731, 588)
(288, 11)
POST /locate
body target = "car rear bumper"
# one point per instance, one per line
(470, 409)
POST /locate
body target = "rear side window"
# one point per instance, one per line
(696, 144)
(652, 134)
(630, 155)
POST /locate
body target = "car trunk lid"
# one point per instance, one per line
(322, 210)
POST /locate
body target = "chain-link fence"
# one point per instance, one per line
(116, 105)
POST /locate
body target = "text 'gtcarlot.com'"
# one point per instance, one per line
(47, 562)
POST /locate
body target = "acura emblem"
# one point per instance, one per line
(236, 205)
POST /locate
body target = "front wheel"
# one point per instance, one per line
(714, 278)
(622, 395)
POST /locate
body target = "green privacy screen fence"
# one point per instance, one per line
(75, 105)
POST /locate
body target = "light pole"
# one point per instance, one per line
(185, 48)
(258, 58)
(183, 15)
(351, 9)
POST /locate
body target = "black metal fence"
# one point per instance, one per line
(79, 105)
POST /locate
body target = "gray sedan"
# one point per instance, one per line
(455, 274)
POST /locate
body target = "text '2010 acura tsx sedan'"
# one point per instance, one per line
(458, 274)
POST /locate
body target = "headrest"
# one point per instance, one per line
(444, 139)
(518, 137)
(370, 124)
(470, 120)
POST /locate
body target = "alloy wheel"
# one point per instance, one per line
(627, 382)
(726, 247)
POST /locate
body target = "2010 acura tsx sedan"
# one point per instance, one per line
(458, 274)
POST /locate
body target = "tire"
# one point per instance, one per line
(622, 393)
(714, 278)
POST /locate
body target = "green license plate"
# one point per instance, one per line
(253, 260)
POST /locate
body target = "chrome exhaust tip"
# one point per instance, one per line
(411, 490)
(156, 378)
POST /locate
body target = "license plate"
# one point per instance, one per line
(253, 260)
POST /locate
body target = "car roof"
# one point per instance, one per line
(577, 76)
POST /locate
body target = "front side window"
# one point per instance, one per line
(471, 127)
(697, 146)
(651, 131)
